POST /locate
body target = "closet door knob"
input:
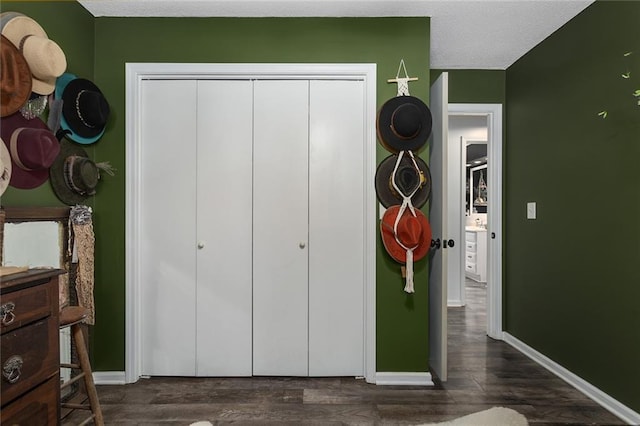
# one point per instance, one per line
(302, 245)
(200, 245)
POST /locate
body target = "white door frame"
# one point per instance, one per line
(493, 112)
(135, 73)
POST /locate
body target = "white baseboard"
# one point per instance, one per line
(404, 379)
(108, 377)
(614, 406)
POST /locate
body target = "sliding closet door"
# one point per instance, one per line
(336, 228)
(224, 230)
(280, 228)
(167, 221)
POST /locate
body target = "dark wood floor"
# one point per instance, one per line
(482, 374)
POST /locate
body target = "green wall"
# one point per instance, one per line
(571, 276)
(402, 320)
(474, 86)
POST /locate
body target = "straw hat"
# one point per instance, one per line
(5, 168)
(15, 78)
(404, 123)
(46, 59)
(32, 147)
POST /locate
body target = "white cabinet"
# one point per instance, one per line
(252, 224)
(476, 254)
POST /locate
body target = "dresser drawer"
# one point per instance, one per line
(470, 236)
(29, 356)
(470, 267)
(25, 306)
(470, 257)
(470, 246)
(37, 408)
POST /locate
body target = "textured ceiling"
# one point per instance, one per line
(479, 34)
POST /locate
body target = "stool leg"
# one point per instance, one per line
(83, 359)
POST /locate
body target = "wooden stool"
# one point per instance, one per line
(73, 316)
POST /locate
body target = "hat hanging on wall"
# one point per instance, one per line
(15, 78)
(85, 110)
(46, 59)
(5, 168)
(409, 177)
(406, 236)
(33, 148)
(404, 122)
(74, 176)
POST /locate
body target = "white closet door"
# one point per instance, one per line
(167, 236)
(224, 230)
(280, 228)
(336, 228)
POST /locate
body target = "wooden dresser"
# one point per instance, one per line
(30, 353)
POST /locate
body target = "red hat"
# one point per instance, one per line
(411, 232)
(33, 148)
(409, 240)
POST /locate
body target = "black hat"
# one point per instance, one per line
(84, 110)
(407, 179)
(404, 124)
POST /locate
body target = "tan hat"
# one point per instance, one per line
(5, 167)
(46, 59)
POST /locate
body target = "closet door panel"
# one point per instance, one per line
(280, 228)
(224, 231)
(167, 220)
(336, 233)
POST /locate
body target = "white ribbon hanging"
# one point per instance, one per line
(406, 203)
(403, 82)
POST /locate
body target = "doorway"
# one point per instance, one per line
(480, 209)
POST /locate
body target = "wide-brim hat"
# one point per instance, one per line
(412, 231)
(404, 124)
(5, 167)
(33, 148)
(15, 76)
(85, 110)
(407, 179)
(46, 59)
(73, 175)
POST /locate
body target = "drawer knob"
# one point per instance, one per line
(12, 368)
(6, 312)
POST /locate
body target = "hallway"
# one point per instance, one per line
(483, 373)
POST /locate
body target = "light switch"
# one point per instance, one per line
(531, 210)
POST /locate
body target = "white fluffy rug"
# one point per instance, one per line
(496, 416)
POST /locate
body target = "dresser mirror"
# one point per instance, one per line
(36, 237)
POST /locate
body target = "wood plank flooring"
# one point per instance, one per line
(483, 373)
